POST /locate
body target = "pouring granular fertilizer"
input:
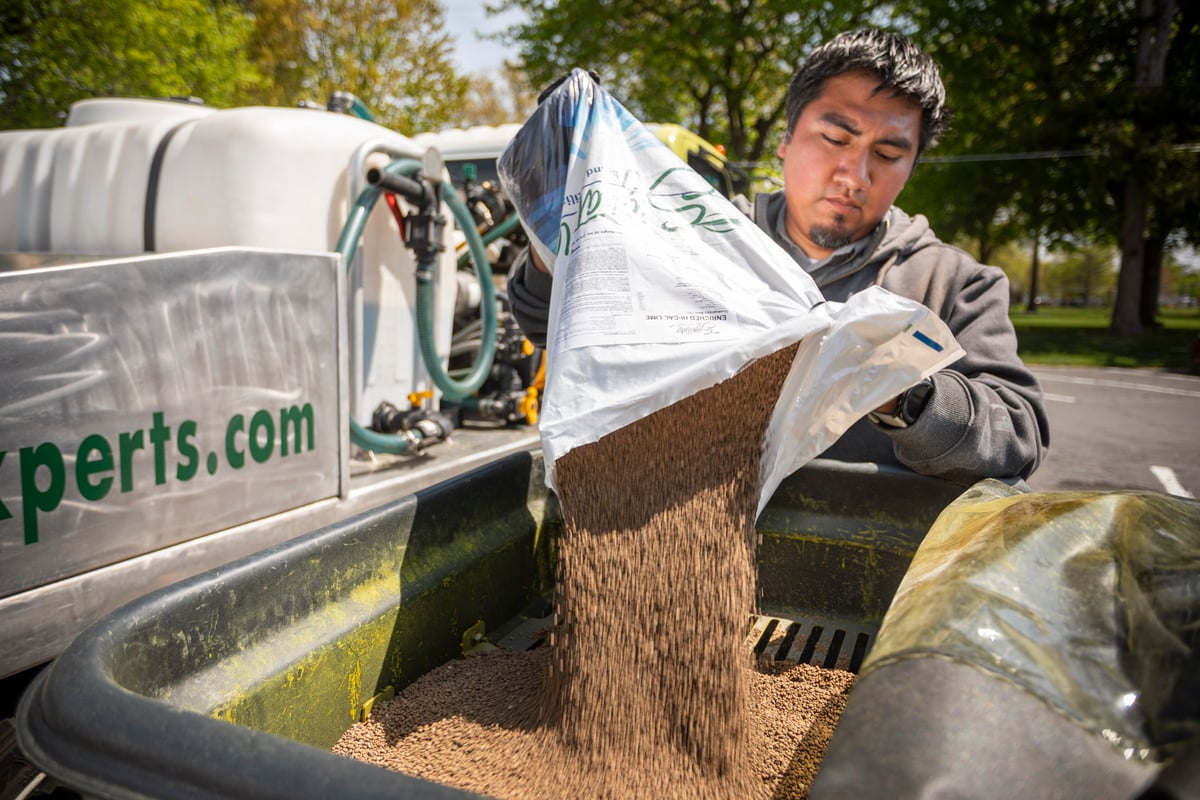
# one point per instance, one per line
(674, 326)
(645, 688)
(656, 581)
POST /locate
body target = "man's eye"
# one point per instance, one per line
(891, 159)
(832, 140)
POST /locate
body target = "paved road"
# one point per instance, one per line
(1121, 429)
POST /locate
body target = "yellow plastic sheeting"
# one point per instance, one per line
(1088, 600)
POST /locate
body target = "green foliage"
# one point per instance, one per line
(720, 68)
(55, 52)
(1015, 262)
(278, 48)
(1058, 83)
(1083, 276)
(1049, 115)
(1181, 282)
(393, 55)
(494, 100)
(1024, 78)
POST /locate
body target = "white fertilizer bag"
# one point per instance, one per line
(663, 288)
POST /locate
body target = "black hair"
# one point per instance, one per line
(898, 64)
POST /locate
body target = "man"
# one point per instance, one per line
(861, 110)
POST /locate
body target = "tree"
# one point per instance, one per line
(55, 52)
(1014, 261)
(1081, 276)
(719, 67)
(1097, 153)
(1181, 282)
(1012, 165)
(393, 55)
(497, 100)
(1055, 137)
(1141, 259)
(971, 200)
(278, 47)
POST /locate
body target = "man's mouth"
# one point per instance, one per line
(843, 204)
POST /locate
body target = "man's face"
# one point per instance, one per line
(849, 156)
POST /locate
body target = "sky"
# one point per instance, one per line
(467, 18)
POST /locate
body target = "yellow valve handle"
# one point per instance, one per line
(528, 406)
(539, 378)
(415, 398)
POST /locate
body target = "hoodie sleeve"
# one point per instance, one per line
(529, 293)
(986, 415)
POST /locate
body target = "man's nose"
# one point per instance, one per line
(854, 169)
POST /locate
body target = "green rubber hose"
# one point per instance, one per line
(452, 389)
(359, 109)
(495, 233)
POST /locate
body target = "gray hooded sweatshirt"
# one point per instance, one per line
(985, 416)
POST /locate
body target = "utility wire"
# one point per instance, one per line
(963, 159)
(1192, 147)
(1182, 148)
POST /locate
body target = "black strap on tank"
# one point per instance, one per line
(160, 154)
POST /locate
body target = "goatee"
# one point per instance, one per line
(831, 237)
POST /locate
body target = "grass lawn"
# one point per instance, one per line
(1080, 337)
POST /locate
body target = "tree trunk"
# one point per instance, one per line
(1126, 318)
(1034, 269)
(1154, 18)
(1151, 280)
(985, 248)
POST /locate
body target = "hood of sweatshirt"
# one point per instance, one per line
(859, 264)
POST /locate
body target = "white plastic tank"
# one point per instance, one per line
(82, 188)
(265, 177)
(127, 176)
(130, 109)
(479, 146)
(480, 141)
(283, 178)
(26, 169)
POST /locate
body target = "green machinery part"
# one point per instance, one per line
(452, 389)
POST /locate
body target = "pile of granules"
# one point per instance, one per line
(647, 690)
(472, 723)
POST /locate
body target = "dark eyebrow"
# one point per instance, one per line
(837, 120)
